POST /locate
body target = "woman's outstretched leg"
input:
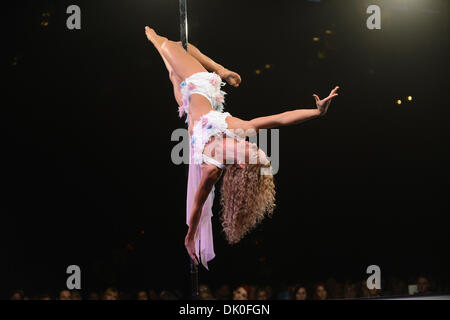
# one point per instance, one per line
(180, 62)
(174, 78)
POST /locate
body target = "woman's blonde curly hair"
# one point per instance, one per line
(247, 196)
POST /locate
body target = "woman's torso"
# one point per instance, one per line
(198, 106)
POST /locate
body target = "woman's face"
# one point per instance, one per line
(240, 294)
(229, 151)
(321, 293)
(300, 294)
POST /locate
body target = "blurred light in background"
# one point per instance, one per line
(45, 16)
(399, 102)
(409, 98)
(321, 55)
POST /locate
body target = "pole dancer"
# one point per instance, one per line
(218, 145)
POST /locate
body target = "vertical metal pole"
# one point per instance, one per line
(184, 41)
(183, 23)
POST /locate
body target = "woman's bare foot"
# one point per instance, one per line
(229, 76)
(154, 37)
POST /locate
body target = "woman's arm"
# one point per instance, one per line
(285, 119)
(210, 175)
(295, 116)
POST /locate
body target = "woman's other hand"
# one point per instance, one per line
(189, 243)
(229, 76)
(322, 105)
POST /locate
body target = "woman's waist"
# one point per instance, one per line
(199, 106)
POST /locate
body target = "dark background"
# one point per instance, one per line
(87, 118)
